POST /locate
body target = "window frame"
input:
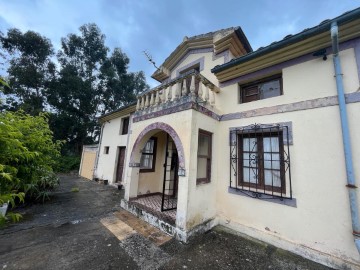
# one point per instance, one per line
(245, 86)
(260, 167)
(152, 169)
(208, 157)
(123, 131)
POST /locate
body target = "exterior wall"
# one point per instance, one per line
(209, 62)
(181, 123)
(308, 80)
(319, 226)
(106, 167)
(152, 182)
(202, 197)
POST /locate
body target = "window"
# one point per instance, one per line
(204, 157)
(148, 157)
(125, 126)
(260, 163)
(261, 89)
(106, 150)
(260, 160)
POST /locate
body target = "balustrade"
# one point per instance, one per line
(192, 84)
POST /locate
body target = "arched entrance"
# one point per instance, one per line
(158, 156)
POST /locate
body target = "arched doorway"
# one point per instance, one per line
(159, 158)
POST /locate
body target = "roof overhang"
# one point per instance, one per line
(232, 39)
(292, 46)
(126, 110)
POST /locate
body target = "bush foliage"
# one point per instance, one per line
(67, 163)
(27, 157)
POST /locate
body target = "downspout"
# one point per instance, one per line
(346, 137)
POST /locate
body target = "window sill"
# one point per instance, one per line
(146, 170)
(267, 198)
(202, 181)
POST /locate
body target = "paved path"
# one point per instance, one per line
(89, 230)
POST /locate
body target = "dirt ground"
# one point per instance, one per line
(86, 230)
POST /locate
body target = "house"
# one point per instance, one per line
(263, 142)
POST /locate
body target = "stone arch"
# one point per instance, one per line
(169, 130)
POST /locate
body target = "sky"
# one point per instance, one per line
(159, 26)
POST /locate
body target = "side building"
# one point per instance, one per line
(113, 146)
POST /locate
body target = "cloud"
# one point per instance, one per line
(159, 26)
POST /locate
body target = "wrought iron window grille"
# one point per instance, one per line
(260, 161)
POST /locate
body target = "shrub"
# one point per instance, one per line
(66, 164)
(27, 158)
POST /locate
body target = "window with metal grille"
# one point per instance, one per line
(148, 156)
(260, 161)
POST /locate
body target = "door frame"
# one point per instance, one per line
(119, 148)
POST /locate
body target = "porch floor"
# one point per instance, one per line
(152, 205)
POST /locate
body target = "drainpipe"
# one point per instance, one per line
(346, 138)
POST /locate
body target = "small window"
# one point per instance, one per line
(148, 157)
(262, 89)
(204, 157)
(106, 150)
(125, 126)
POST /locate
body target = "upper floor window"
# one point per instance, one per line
(125, 126)
(148, 157)
(261, 89)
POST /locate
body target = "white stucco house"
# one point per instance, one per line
(265, 142)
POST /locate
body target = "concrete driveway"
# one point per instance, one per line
(88, 230)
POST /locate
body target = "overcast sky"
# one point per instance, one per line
(158, 26)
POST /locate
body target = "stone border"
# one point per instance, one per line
(169, 130)
(292, 107)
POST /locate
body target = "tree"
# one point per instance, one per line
(89, 83)
(30, 67)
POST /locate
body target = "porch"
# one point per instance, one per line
(152, 204)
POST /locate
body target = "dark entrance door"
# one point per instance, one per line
(170, 184)
(120, 164)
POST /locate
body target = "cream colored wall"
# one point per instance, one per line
(304, 81)
(181, 123)
(208, 65)
(106, 168)
(202, 197)
(151, 182)
(321, 221)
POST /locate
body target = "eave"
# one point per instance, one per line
(118, 113)
(220, 41)
(308, 41)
